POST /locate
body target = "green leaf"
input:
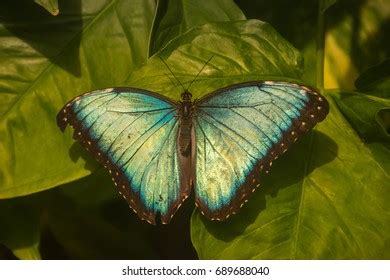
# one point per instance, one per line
(50, 5)
(244, 50)
(325, 199)
(178, 16)
(45, 61)
(296, 21)
(321, 200)
(318, 196)
(376, 80)
(20, 229)
(369, 115)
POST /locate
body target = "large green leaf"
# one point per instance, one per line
(295, 20)
(47, 60)
(241, 51)
(321, 200)
(327, 198)
(174, 17)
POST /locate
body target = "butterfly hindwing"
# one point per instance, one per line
(132, 133)
(240, 130)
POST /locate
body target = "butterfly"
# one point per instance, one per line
(157, 149)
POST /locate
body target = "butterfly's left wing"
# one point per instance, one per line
(239, 131)
(132, 132)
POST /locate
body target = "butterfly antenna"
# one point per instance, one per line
(199, 72)
(172, 81)
(172, 73)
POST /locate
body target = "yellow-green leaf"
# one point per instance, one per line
(45, 61)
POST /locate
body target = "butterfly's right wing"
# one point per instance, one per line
(239, 131)
(133, 134)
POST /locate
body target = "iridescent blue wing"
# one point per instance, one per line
(239, 131)
(132, 132)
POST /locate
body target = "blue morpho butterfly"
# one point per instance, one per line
(157, 149)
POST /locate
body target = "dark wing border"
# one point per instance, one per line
(66, 116)
(314, 112)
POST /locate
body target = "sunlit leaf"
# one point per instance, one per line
(178, 16)
(236, 46)
(47, 60)
(321, 200)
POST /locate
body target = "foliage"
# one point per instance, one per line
(325, 199)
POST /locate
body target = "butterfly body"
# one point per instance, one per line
(159, 150)
(185, 126)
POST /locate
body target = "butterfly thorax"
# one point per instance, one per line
(185, 116)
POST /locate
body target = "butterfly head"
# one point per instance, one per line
(186, 96)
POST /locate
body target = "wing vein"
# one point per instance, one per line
(212, 146)
(272, 95)
(148, 111)
(289, 93)
(89, 103)
(235, 106)
(101, 135)
(230, 136)
(157, 154)
(281, 130)
(145, 139)
(93, 110)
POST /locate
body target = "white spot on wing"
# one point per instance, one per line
(107, 90)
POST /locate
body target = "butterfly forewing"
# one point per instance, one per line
(132, 133)
(240, 130)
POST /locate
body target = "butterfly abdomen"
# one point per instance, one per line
(184, 134)
(185, 138)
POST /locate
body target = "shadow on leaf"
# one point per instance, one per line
(56, 38)
(76, 152)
